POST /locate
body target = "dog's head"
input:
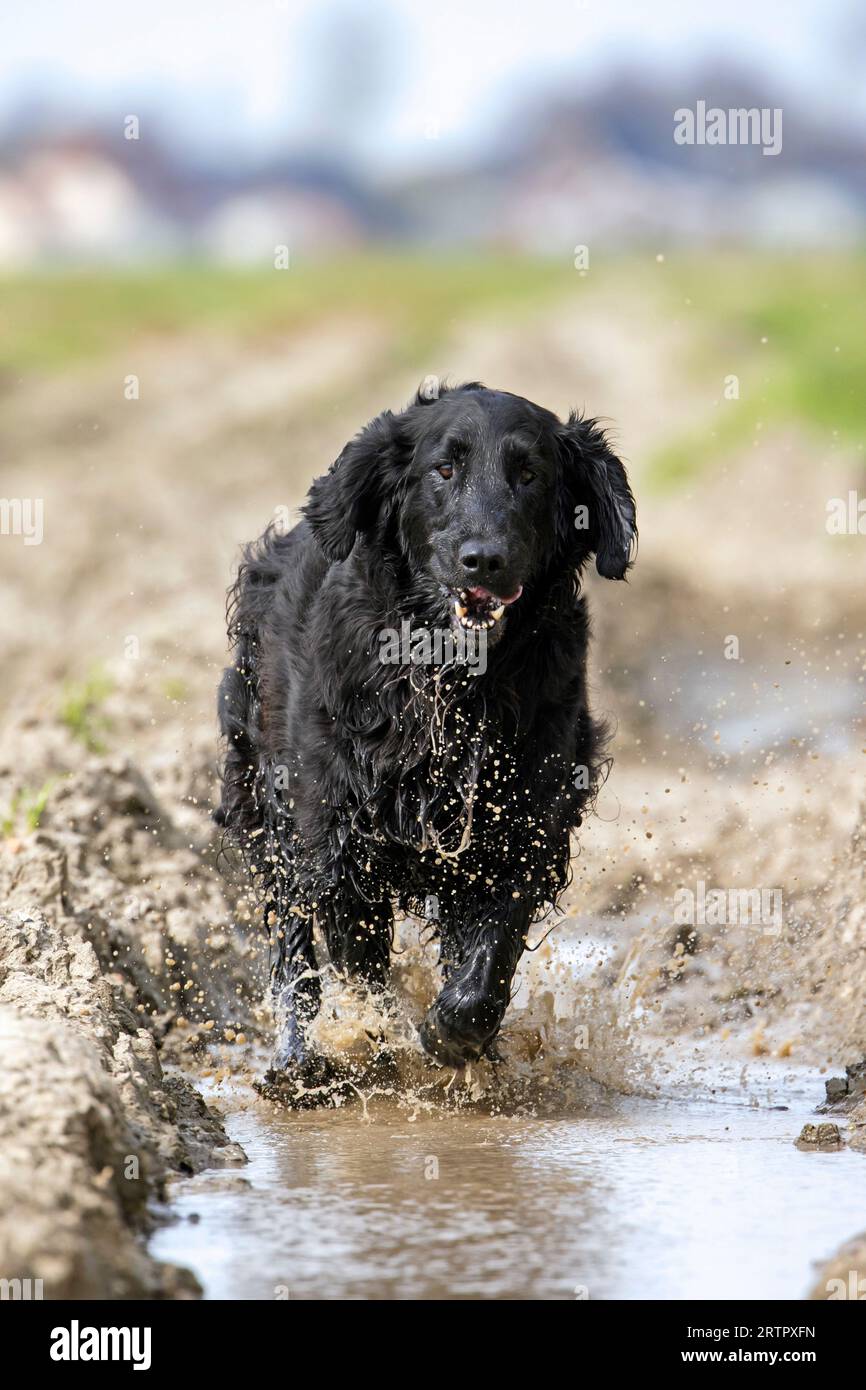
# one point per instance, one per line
(483, 493)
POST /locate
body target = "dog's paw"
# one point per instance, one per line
(445, 1044)
(382, 1072)
(313, 1084)
(492, 1054)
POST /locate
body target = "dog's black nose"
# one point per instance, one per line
(481, 561)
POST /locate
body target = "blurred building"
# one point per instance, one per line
(601, 167)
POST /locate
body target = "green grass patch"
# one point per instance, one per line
(50, 321)
(790, 328)
(175, 688)
(81, 710)
(25, 810)
(684, 458)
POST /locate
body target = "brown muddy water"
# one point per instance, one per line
(628, 1198)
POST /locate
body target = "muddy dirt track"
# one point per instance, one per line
(131, 972)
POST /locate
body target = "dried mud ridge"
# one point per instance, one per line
(109, 916)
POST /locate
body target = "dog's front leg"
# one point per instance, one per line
(296, 994)
(359, 936)
(464, 1020)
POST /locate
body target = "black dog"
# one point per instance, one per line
(356, 780)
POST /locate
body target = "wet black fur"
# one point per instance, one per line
(354, 787)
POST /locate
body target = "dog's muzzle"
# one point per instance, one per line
(480, 609)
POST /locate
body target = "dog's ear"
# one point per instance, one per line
(596, 510)
(349, 498)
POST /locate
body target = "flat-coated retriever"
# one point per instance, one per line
(406, 715)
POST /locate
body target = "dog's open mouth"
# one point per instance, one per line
(478, 608)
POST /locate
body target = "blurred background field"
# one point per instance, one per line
(803, 314)
(246, 383)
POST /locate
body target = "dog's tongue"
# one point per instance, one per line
(482, 595)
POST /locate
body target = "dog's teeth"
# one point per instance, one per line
(496, 613)
(459, 609)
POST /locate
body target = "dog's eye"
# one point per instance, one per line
(445, 470)
(526, 475)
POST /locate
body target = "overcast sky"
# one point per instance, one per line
(402, 79)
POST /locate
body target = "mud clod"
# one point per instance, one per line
(825, 1137)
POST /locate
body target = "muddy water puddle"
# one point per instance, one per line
(740, 707)
(631, 1198)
